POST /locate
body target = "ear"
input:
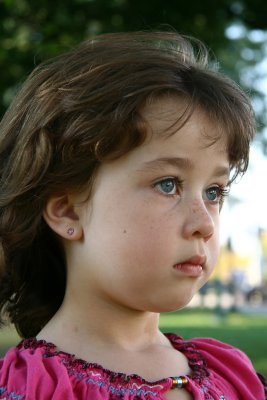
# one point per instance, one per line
(60, 215)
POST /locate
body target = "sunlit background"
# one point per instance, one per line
(243, 258)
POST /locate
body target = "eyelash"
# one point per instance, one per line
(223, 191)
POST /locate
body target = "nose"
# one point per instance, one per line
(198, 222)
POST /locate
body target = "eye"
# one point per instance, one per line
(216, 194)
(168, 186)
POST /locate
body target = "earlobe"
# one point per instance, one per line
(60, 215)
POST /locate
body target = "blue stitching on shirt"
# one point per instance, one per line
(10, 395)
(114, 390)
(110, 388)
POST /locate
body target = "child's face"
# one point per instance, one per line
(151, 211)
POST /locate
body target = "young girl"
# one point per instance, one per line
(115, 159)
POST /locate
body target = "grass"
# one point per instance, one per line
(8, 338)
(247, 332)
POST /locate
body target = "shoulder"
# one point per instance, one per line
(232, 364)
(214, 349)
(25, 371)
(36, 369)
(13, 375)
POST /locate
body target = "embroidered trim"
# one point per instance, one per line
(9, 395)
(92, 377)
(80, 366)
(264, 382)
(118, 382)
(196, 361)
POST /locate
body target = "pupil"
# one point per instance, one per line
(212, 194)
(167, 186)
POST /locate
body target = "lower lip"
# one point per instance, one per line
(188, 269)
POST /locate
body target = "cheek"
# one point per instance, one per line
(214, 245)
(135, 235)
(134, 219)
(144, 235)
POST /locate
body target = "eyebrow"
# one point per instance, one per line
(183, 163)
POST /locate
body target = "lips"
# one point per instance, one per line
(192, 267)
(196, 260)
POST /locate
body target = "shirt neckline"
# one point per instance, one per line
(197, 363)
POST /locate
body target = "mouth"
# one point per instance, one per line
(193, 267)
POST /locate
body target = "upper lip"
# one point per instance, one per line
(195, 260)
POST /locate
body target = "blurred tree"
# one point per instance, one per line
(31, 31)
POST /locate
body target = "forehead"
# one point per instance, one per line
(183, 143)
(168, 115)
(167, 148)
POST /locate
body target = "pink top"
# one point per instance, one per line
(35, 370)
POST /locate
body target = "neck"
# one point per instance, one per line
(102, 324)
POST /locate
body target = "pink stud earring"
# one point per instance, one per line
(70, 231)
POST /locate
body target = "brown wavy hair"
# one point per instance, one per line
(76, 111)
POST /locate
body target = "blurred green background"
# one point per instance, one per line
(31, 31)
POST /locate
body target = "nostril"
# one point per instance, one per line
(208, 237)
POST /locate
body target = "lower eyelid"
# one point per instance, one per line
(176, 183)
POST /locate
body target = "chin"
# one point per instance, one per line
(172, 306)
(176, 307)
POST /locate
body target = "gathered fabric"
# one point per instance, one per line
(35, 370)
